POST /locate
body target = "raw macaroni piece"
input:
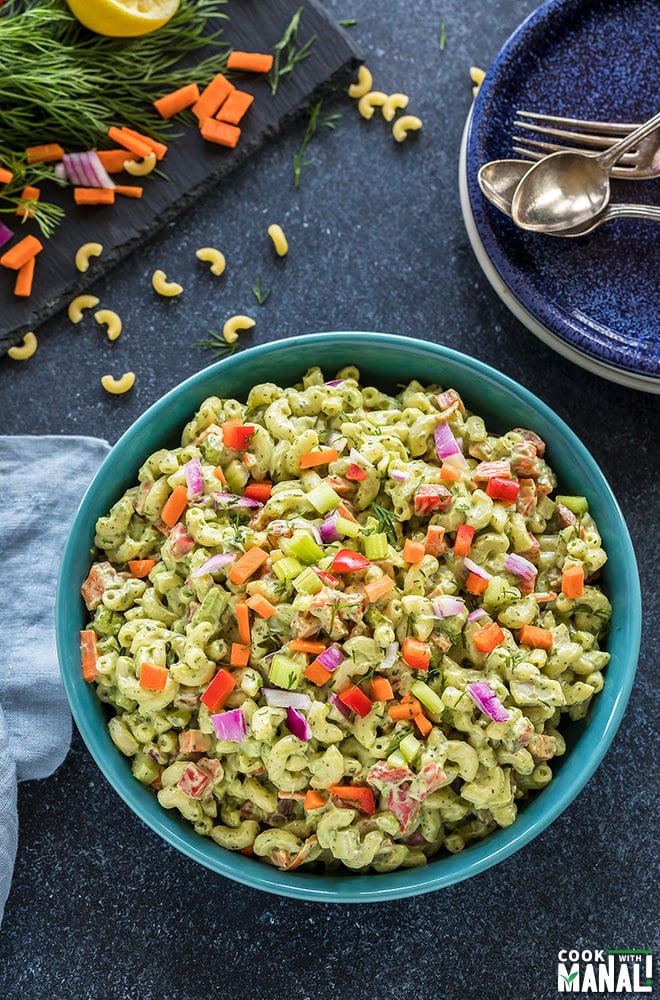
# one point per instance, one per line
(24, 350)
(402, 126)
(110, 319)
(394, 103)
(280, 243)
(341, 627)
(140, 168)
(364, 83)
(369, 102)
(85, 253)
(77, 305)
(234, 325)
(477, 76)
(117, 386)
(214, 257)
(163, 286)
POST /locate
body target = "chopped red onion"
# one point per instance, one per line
(298, 725)
(331, 657)
(340, 706)
(86, 170)
(286, 699)
(194, 479)
(445, 442)
(335, 440)
(485, 698)
(279, 527)
(230, 725)
(477, 570)
(357, 456)
(520, 566)
(399, 475)
(329, 531)
(214, 563)
(477, 614)
(229, 501)
(336, 382)
(445, 606)
(390, 656)
(315, 532)
(5, 234)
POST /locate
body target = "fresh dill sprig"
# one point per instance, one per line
(347, 22)
(314, 124)
(261, 296)
(443, 35)
(287, 54)
(46, 215)
(385, 522)
(215, 342)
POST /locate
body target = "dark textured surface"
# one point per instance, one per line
(573, 58)
(100, 907)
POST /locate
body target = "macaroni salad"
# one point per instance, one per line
(337, 627)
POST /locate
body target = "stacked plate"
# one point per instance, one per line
(594, 299)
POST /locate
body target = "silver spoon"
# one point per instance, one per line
(565, 188)
(499, 179)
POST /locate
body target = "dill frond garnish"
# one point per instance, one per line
(216, 343)
(314, 124)
(287, 53)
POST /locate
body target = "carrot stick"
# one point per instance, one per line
(347, 514)
(240, 654)
(247, 565)
(153, 677)
(47, 153)
(175, 505)
(94, 196)
(381, 689)
(16, 256)
(317, 673)
(219, 473)
(212, 97)
(261, 606)
(423, 724)
(401, 712)
(243, 622)
(233, 109)
(250, 62)
(321, 457)
(113, 160)
(159, 148)
(5, 175)
(171, 104)
(88, 654)
(139, 147)
(376, 589)
(24, 278)
(537, 638)
(129, 190)
(306, 646)
(141, 567)
(475, 584)
(572, 581)
(313, 800)
(220, 133)
(449, 473)
(488, 637)
(434, 541)
(413, 551)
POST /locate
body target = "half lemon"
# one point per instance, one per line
(123, 18)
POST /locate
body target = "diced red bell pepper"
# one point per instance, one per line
(218, 690)
(327, 578)
(259, 491)
(355, 795)
(194, 782)
(502, 489)
(488, 637)
(431, 497)
(356, 700)
(356, 473)
(236, 435)
(463, 540)
(349, 561)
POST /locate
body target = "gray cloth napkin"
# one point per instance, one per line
(42, 481)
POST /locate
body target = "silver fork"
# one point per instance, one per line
(641, 163)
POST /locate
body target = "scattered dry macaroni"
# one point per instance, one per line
(361, 648)
(373, 99)
(394, 103)
(140, 168)
(234, 325)
(109, 319)
(117, 386)
(405, 124)
(163, 286)
(77, 305)
(85, 253)
(364, 83)
(214, 257)
(25, 350)
(477, 76)
(280, 243)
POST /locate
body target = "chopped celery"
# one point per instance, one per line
(144, 768)
(323, 498)
(308, 582)
(351, 529)
(374, 617)
(409, 747)
(287, 568)
(302, 546)
(578, 505)
(375, 546)
(285, 672)
(428, 697)
(107, 622)
(397, 759)
(211, 608)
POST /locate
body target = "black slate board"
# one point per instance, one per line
(192, 165)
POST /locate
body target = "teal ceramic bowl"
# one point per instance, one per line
(384, 361)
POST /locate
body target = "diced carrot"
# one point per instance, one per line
(159, 148)
(537, 638)
(488, 637)
(175, 505)
(449, 473)
(218, 690)
(423, 724)
(259, 491)
(249, 460)
(139, 147)
(234, 107)
(317, 673)
(355, 795)
(113, 160)
(141, 567)
(321, 457)
(212, 97)
(346, 513)
(177, 100)
(194, 741)
(153, 677)
(313, 800)
(129, 190)
(17, 255)
(47, 153)
(475, 584)
(401, 713)
(219, 473)
(415, 703)
(28, 194)
(24, 278)
(243, 622)
(250, 62)
(246, 565)
(306, 646)
(88, 654)
(5, 175)
(261, 606)
(544, 596)
(416, 653)
(434, 543)
(413, 551)
(381, 689)
(240, 655)
(463, 539)
(220, 132)
(572, 581)
(376, 589)
(94, 196)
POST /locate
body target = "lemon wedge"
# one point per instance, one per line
(123, 18)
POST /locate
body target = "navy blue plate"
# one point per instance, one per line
(598, 295)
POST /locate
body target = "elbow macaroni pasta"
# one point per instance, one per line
(85, 253)
(163, 286)
(24, 350)
(373, 758)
